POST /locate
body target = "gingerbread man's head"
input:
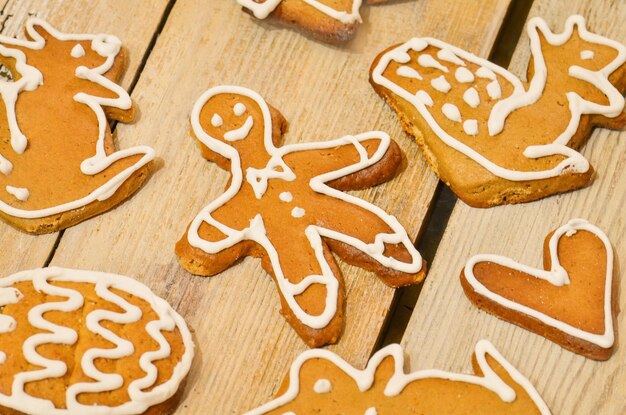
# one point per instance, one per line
(234, 123)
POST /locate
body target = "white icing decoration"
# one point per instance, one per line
(297, 212)
(441, 84)
(285, 197)
(77, 51)
(449, 56)
(408, 72)
(573, 161)
(451, 111)
(277, 169)
(424, 98)
(464, 75)
(140, 400)
(216, 121)
(7, 323)
(241, 132)
(262, 10)
(484, 72)
(470, 127)
(20, 193)
(371, 411)
(493, 89)
(557, 276)
(364, 379)
(322, 386)
(471, 98)
(427, 61)
(6, 167)
(587, 54)
(107, 46)
(239, 109)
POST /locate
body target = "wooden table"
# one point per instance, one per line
(180, 48)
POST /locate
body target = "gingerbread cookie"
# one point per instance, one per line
(83, 342)
(285, 205)
(569, 302)
(331, 21)
(493, 138)
(320, 382)
(58, 163)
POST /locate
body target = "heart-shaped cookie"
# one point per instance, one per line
(568, 302)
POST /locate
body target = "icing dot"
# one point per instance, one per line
(470, 127)
(428, 61)
(7, 324)
(424, 98)
(587, 54)
(322, 386)
(216, 120)
(297, 212)
(371, 411)
(6, 167)
(239, 109)
(20, 193)
(77, 51)
(401, 57)
(451, 111)
(487, 73)
(441, 84)
(493, 89)
(471, 97)
(449, 56)
(3, 358)
(285, 197)
(10, 296)
(408, 72)
(464, 75)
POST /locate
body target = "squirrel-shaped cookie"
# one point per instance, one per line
(331, 21)
(285, 205)
(493, 138)
(570, 301)
(320, 382)
(83, 342)
(58, 163)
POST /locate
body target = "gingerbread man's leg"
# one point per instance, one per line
(364, 235)
(309, 282)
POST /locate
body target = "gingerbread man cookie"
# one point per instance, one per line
(320, 382)
(285, 205)
(493, 138)
(81, 342)
(58, 163)
(569, 302)
(331, 21)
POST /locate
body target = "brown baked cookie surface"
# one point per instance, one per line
(320, 382)
(493, 138)
(331, 21)
(285, 205)
(76, 341)
(58, 161)
(570, 301)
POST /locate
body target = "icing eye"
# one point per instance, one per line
(77, 51)
(239, 109)
(586, 55)
(216, 121)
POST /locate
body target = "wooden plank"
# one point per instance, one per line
(244, 344)
(445, 326)
(21, 251)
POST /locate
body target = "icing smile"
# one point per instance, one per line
(241, 132)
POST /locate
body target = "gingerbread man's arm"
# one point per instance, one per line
(350, 162)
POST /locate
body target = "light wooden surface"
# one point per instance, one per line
(20, 251)
(445, 326)
(244, 345)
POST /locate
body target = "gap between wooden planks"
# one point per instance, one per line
(244, 345)
(445, 326)
(21, 251)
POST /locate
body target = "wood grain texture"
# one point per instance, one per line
(244, 345)
(570, 384)
(21, 251)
